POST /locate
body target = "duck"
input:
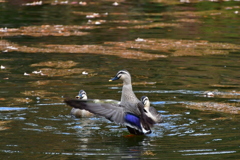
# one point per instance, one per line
(128, 98)
(151, 111)
(137, 124)
(79, 113)
(129, 112)
(82, 95)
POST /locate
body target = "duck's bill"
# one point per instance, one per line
(113, 79)
(80, 96)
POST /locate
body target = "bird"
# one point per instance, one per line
(128, 98)
(151, 111)
(79, 113)
(138, 124)
(130, 112)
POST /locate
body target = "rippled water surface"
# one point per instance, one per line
(183, 56)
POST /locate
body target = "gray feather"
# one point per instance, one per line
(157, 116)
(110, 111)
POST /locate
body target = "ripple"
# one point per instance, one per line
(49, 128)
(208, 153)
(114, 87)
(188, 92)
(50, 119)
(234, 100)
(201, 134)
(10, 151)
(12, 108)
(33, 129)
(196, 150)
(49, 104)
(165, 102)
(172, 91)
(31, 124)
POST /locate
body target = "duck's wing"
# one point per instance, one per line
(144, 118)
(146, 121)
(156, 116)
(113, 112)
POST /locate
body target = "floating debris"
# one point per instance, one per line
(44, 30)
(3, 123)
(23, 100)
(208, 94)
(64, 2)
(180, 47)
(4, 29)
(33, 3)
(149, 153)
(11, 47)
(184, 1)
(84, 72)
(3, 67)
(115, 4)
(94, 15)
(26, 74)
(37, 72)
(42, 74)
(97, 22)
(61, 72)
(56, 64)
(214, 106)
(140, 40)
(38, 93)
(125, 49)
(82, 3)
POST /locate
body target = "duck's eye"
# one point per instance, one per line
(122, 72)
(144, 100)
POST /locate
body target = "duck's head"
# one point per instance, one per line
(82, 95)
(146, 102)
(123, 75)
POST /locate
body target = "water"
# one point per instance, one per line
(183, 56)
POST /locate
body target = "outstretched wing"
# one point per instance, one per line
(113, 112)
(155, 115)
(146, 122)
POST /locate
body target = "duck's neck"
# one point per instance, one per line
(84, 98)
(147, 106)
(127, 95)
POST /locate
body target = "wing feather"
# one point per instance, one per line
(155, 115)
(110, 111)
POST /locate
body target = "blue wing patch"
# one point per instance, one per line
(133, 120)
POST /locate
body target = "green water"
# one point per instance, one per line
(198, 45)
